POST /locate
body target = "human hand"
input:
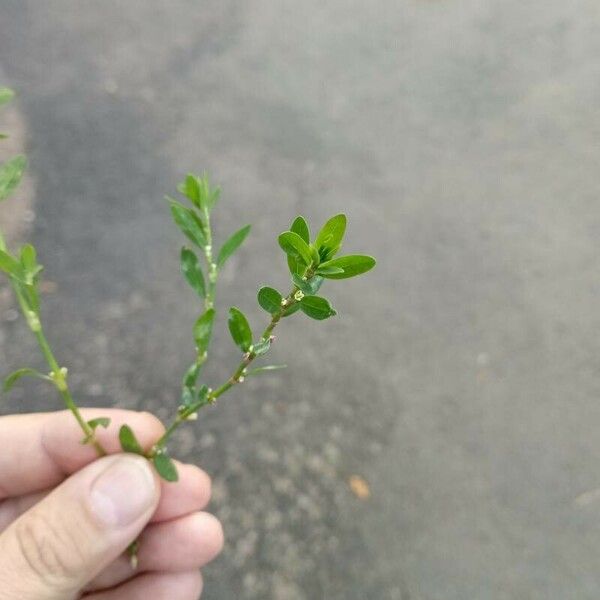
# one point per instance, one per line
(66, 517)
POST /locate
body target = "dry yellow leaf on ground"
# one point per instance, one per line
(359, 487)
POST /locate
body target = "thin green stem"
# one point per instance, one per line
(236, 377)
(209, 300)
(59, 377)
(57, 374)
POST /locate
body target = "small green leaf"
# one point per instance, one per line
(316, 307)
(3, 136)
(189, 222)
(28, 257)
(203, 330)
(11, 173)
(187, 396)
(202, 393)
(128, 441)
(240, 329)
(264, 369)
(12, 266)
(196, 403)
(191, 189)
(191, 376)
(300, 226)
(31, 269)
(11, 379)
(330, 238)
(351, 265)
(165, 467)
(308, 286)
(293, 245)
(270, 299)
(232, 244)
(99, 422)
(261, 347)
(324, 271)
(290, 310)
(302, 284)
(190, 267)
(6, 95)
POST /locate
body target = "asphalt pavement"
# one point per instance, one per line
(440, 438)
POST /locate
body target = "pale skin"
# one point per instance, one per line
(67, 517)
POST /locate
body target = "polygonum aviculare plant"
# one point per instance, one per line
(310, 264)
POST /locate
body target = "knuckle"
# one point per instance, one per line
(50, 554)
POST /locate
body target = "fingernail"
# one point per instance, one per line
(123, 492)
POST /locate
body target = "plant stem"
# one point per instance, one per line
(209, 300)
(61, 384)
(236, 377)
(57, 374)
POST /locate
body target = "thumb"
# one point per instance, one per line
(54, 549)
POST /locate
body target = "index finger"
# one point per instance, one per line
(42, 449)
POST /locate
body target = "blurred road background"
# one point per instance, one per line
(460, 380)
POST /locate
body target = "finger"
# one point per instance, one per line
(157, 586)
(190, 494)
(181, 545)
(53, 550)
(40, 450)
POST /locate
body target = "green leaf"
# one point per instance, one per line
(11, 379)
(190, 267)
(191, 376)
(202, 393)
(128, 441)
(290, 310)
(196, 403)
(12, 266)
(203, 330)
(294, 246)
(240, 329)
(264, 369)
(189, 222)
(351, 265)
(187, 396)
(191, 189)
(261, 347)
(99, 422)
(28, 257)
(316, 307)
(302, 284)
(270, 299)
(300, 226)
(3, 136)
(308, 286)
(324, 271)
(165, 467)
(10, 175)
(6, 95)
(330, 238)
(31, 268)
(232, 244)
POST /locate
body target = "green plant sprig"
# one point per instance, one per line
(309, 264)
(23, 272)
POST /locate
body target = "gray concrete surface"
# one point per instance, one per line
(461, 379)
